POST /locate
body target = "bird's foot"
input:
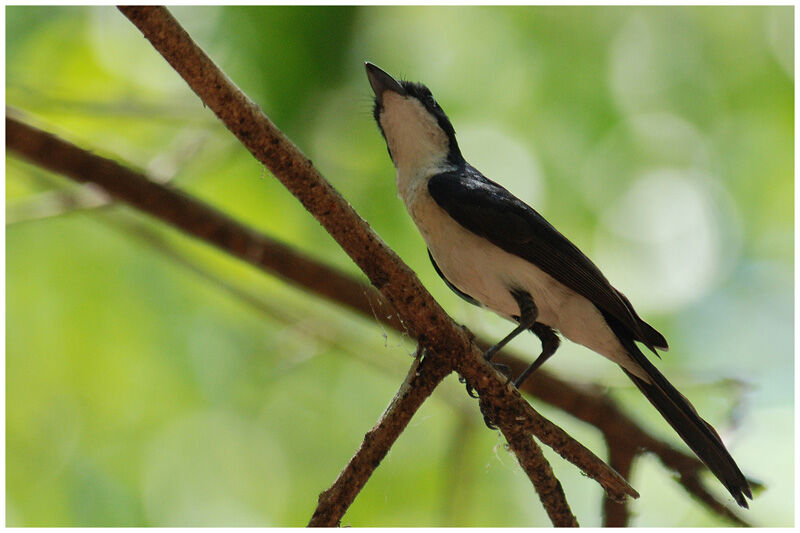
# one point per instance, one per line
(500, 367)
(470, 390)
(487, 416)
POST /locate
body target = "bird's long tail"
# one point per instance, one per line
(695, 432)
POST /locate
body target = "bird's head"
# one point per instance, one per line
(418, 134)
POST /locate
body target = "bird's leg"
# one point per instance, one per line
(527, 318)
(550, 342)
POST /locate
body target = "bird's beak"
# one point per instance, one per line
(381, 81)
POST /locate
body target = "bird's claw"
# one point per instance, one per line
(500, 367)
(486, 418)
(470, 390)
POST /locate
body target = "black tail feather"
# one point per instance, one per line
(682, 416)
(699, 436)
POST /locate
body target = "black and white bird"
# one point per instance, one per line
(495, 251)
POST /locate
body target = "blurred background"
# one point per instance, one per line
(151, 380)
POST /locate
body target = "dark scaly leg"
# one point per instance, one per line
(527, 318)
(550, 342)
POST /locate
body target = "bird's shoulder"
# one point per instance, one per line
(488, 207)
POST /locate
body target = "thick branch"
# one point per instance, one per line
(192, 217)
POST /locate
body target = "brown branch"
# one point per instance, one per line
(621, 457)
(551, 493)
(422, 379)
(191, 216)
(505, 414)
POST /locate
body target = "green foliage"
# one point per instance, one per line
(142, 392)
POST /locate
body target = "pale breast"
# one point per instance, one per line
(476, 266)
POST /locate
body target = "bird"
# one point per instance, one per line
(497, 252)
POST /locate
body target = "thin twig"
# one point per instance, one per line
(551, 493)
(422, 379)
(621, 457)
(509, 416)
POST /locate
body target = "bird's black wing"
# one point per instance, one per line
(489, 210)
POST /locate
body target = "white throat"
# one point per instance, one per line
(418, 144)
